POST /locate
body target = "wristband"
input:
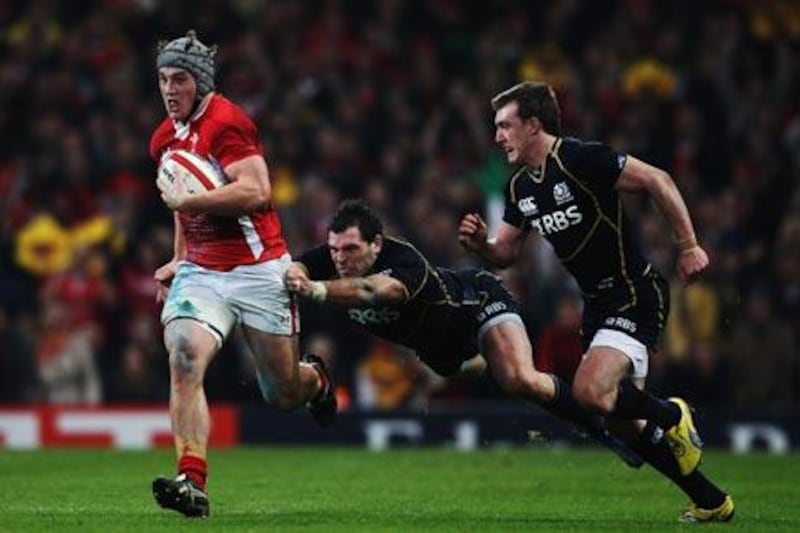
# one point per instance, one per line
(689, 243)
(319, 292)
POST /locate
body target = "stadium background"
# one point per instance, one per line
(389, 100)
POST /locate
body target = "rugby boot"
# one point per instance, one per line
(181, 494)
(323, 407)
(723, 513)
(683, 439)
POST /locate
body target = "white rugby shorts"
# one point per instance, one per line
(253, 295)
(634, 349)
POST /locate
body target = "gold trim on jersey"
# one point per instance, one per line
(661, 318)
(624, 267)
(448, 298)
(512, 195)
(431, 271)
(556, 145)
(532, 175)
(616, 227)
(582, 244)
(413, 294)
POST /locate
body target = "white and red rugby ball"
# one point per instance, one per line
(198, 173)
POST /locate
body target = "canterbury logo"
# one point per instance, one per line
(527, 206)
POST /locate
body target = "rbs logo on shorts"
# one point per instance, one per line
(557, 220)
(491, 309)
(622, 323)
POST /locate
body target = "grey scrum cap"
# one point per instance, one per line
(190, 54)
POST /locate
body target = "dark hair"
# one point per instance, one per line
(534, 99)
(356, 213)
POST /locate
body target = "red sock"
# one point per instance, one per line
(195, 469)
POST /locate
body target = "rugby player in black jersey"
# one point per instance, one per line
(568, 190)
(448, 317)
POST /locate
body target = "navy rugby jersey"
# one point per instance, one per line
(440, 312)
(572, 202)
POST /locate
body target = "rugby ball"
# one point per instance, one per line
(198, 173)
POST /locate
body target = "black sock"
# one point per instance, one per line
(566, 406)
(636, 404)
(656, 452)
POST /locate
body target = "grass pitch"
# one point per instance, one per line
(269, 489)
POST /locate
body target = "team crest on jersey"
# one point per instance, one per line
(527, 206)
(193, 138)
(561, 193)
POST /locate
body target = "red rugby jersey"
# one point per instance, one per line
(221, 132)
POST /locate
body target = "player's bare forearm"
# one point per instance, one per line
(692, 259)
(237, 198)
(499, 252)
(249, 190)
(637, 176)
(494, 254)
(370, 290)
(670, 202)
(352, 291)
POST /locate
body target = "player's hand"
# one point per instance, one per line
(163, 278)
(472, 233)
(297, 281)
(174, 194)
(691, 263)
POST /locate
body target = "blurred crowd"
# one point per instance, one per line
(388, 100)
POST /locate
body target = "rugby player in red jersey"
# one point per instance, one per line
(227, 269)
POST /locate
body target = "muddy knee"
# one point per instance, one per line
(184, 362)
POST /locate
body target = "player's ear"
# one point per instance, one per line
(377, 243)
(534, 124)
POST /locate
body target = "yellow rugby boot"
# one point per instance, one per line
(723, 513)
(683, 439)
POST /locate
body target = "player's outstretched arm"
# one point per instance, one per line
(639, 176)
(501, 251)
(370, 290)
